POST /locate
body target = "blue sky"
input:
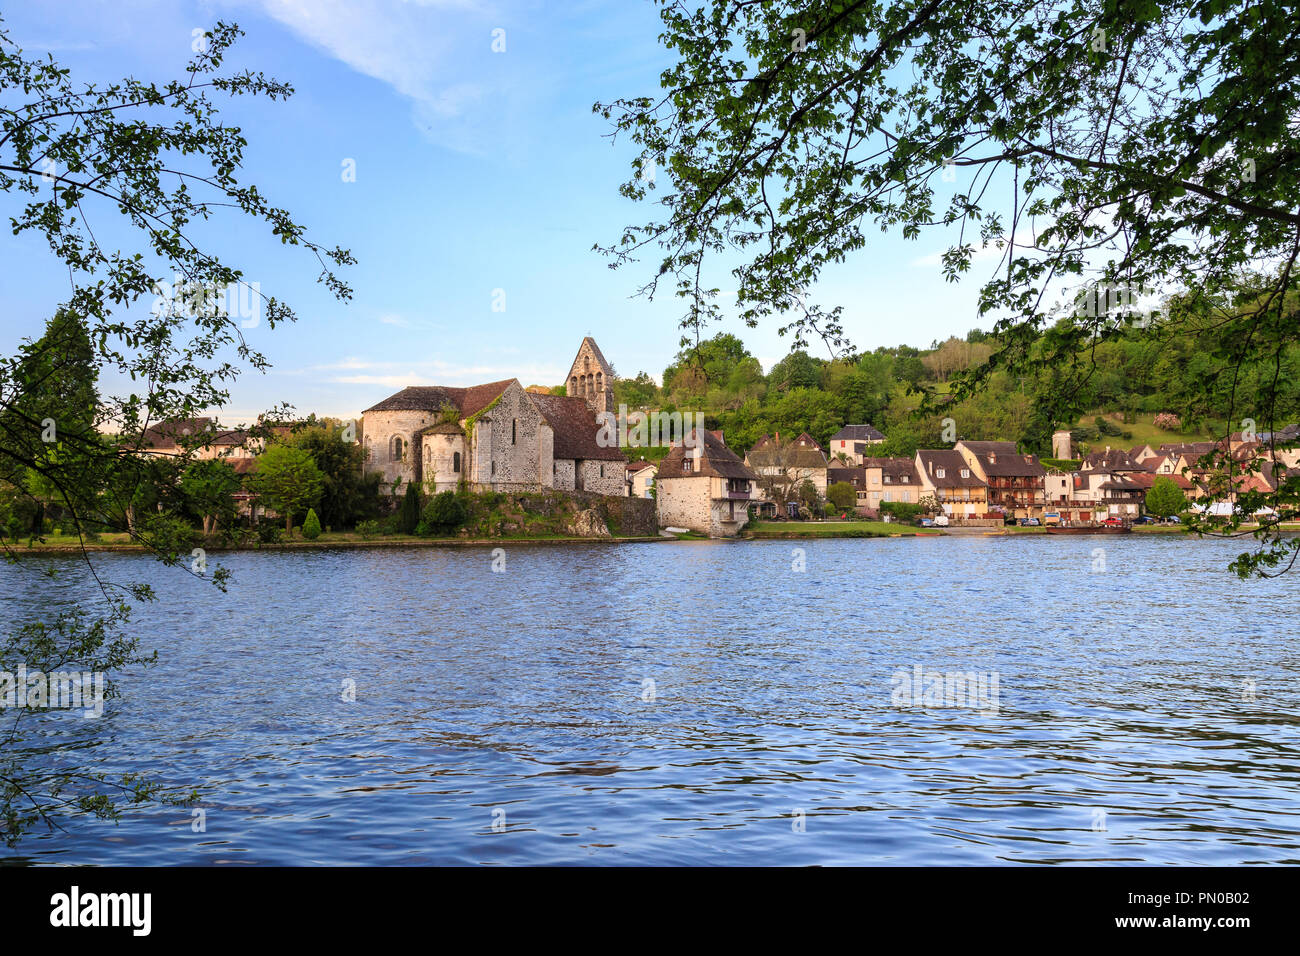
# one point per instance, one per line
(475, 171)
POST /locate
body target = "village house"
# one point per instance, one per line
(783, 465)
(1014, 480)
(703, 486)
(176, 436)
(854, 475)
(890, 479)
(952, 483)
(498, 436)
(641, 478)
(849, 444)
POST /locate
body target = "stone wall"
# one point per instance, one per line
(604, 477)
(628, 516)
(563, 474)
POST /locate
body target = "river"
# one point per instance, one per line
(697, 702)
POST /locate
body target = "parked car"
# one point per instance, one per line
(941, 521)
(1029, 522)
(1112, 522)
(927, 522)
(1144, 519)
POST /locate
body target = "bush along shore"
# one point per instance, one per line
(447, 518)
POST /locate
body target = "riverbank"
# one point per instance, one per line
(834, 529)
(64, 544)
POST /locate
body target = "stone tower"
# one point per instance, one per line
(591, 377)
(1061, 445)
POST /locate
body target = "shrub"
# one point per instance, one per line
(368, 529)
(842, 495)
(444, 512)
(1169, 421)
(311, 525)
(268, 533)
(902, 510)
(409, 516)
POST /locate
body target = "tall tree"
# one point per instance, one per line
(147, 164)
(288, 481)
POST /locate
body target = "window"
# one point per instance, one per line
(397, 448)
(494, 467)
(428, 454)
(965, 472)
(938, 473)
(888, 479)
(455, 462)
(555, 468)
(602, 471)
(514, 430)
(686, 463)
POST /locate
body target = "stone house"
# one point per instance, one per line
(705, 487)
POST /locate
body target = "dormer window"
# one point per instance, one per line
(965, 472)
(686, 464)
(939, 472)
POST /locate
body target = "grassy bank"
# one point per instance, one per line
(67, 544)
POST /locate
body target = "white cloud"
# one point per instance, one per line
(424, 50)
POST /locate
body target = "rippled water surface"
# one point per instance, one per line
(1124, 730)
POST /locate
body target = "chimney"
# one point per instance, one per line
(993, 458)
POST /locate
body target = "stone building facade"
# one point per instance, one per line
(591, 378)
(492, 437)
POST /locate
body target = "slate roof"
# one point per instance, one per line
(575, 428)
(430, 398)
(715, 460)
(899, 471)
(634, 466)
(1148, 478)
(858, 433)
(1192, 449)
(952, 463)
(1112, 459)
(443, 428)
(854, 475)
(999, 459)
(803, 452)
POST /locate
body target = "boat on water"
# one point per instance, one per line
(1098, 529)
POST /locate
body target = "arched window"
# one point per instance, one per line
(600, 376)
(397, 448)
(573, 385)
(455, 462)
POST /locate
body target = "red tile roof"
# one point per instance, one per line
(575, 428)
